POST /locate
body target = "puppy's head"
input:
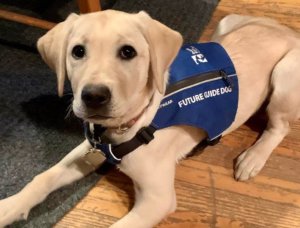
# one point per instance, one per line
(115, 62)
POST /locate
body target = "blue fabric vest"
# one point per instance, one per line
(202, 92)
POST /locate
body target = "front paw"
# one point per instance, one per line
(12, 209)
(249, 164)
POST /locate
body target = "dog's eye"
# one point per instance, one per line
(78, 52)
(127, 52)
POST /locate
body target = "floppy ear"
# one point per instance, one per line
(52, 47)
(164, 44)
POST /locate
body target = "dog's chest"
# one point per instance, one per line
(202, 90)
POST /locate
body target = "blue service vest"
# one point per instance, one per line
(202, 91)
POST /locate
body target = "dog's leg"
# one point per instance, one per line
(152, 169)
(71, 168)
(154, 195)
(283, 109)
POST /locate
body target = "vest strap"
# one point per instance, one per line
(143, 136)
(114, 153)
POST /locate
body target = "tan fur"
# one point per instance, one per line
(264, 53)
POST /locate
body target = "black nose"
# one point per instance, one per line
(95, 96)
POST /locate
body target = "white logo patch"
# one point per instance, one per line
(197, 57)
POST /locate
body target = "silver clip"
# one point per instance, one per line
(121, 130)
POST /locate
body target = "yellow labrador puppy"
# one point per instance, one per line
(126, 57)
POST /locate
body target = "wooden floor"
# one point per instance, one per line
(208, 196)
